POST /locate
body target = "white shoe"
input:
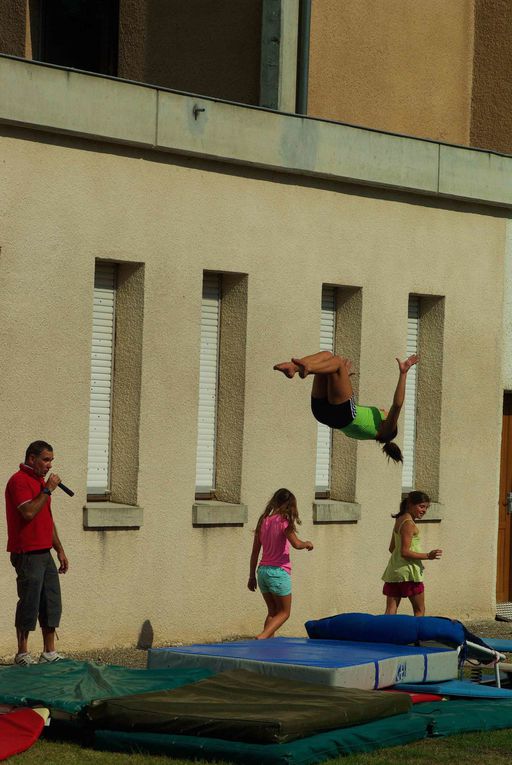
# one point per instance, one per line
(50, 658)
(24, 660)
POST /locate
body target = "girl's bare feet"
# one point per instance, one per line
(301, 367)
(288, 368)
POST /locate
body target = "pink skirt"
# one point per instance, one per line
(402, 589)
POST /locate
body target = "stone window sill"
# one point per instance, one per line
(112, 515)
(334, 511)
(212, 513)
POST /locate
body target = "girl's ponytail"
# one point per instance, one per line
(392, 451)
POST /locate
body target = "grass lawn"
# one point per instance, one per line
(491, 748)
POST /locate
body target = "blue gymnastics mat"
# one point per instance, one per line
(327, 662)
(459, 688)
(498, 644)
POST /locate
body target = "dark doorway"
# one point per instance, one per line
(504, 571)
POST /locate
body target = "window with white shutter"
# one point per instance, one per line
(102, 369)
(324, 434)
(409, 413)
(208, 383)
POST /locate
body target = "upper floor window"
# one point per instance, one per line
(80, 34)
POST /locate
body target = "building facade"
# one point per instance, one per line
(161, 251)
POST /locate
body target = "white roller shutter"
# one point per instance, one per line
(102, 368)
(208, 376)
(409, 413)
(324, 434)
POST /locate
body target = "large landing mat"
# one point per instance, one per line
(245, 706)
(326, 662)
(436, 719)
(460, 688)
(69, 686)
(401, 729)
(19, 729)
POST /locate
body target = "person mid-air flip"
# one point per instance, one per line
(332, 399)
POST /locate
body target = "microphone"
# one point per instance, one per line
(65, 488)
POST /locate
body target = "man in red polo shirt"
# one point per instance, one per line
(31, 534)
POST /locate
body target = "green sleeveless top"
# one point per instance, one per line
(399, 569)
(365, 424)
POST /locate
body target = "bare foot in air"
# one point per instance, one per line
(302, 368)
(288, 368)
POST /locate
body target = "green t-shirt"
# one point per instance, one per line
(365, 424)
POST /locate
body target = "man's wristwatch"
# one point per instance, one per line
(46, 490)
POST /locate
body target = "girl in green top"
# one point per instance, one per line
(403, 577)
(332, 399)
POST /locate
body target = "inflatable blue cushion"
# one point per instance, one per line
(397, 629)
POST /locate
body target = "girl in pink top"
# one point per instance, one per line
(275, 532)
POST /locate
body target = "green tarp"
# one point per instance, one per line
(70, 685)
(245, 706)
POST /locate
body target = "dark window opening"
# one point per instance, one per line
(80, 34)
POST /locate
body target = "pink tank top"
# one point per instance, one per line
(276, 547)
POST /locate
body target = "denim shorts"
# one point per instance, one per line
(275, 580)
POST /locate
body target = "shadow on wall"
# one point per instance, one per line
(146, 636)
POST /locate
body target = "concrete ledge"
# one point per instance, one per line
(57, 100)
(476, 175)
(333, 511)
(435, 513)
(101, 515)
(212, 513)
(290, 143)
(66, 101)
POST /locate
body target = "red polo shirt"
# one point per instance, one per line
(23, 535)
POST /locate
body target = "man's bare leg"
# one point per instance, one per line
(22, 637)
(48, 639)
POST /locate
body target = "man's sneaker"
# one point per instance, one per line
(50, 658)
(24, 660)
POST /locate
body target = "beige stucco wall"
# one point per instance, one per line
(491, 110)
(12, 27)
(65, 202)
(396, 65)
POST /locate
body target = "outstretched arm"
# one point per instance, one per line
(297, 543)
(391, 420)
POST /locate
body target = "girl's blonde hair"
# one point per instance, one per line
(283, 503)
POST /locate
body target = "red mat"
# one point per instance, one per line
(19, 729)
(418, 698)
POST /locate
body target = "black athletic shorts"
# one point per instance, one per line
(333, 415)
(38, 590)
